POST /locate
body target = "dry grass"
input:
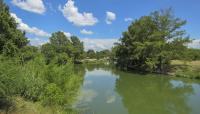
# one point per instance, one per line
(195, 65)
(22, 106)
(189, 69)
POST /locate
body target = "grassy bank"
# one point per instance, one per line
(23, 106)
(96, 61)
(37, 86)
(187, 69)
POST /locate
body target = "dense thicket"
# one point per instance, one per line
(151, 42)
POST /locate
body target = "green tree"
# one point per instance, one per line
(61, 43)
(61, 47)
(103, 54)
(151, 41)
(49, 52)
(28, 53)
(91, 54)
(78, 49)
(11, 39)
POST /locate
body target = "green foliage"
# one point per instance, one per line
(103, 54)
(35, 81)
(10, 49)
(91, 54)
(53, 95)
(150, 42)
(28, 53)
(188, 73)
(11, 39)
(62, 59)
(78, 48)
(61, 48)
(61, 43)
(191, 54)
(9, 78)
(49, 52)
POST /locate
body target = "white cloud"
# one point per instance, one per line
(110, 16)
(32, 30)
(111, 99)
(194, 44)
(71, 13)
(87, 32)
(67, 34)
(36, 6)
(38, 41)
(128, 19)
(98, 44)
(87, 95)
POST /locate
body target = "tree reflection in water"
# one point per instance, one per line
(152, 95)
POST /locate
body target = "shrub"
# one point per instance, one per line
(53, 95)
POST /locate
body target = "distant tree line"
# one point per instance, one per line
(91, 54)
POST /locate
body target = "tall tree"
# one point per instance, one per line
(91, 54)
(78, 48)
(62, 48)
(11, 39)
(150, 42)
(61, 43)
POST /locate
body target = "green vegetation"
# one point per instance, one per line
(60, 49)
(46, 78)
(187, 69)
(53, 86)
(39, 77)
(97, 57)
(152, 42)
(91, 54)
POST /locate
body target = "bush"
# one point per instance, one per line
(53, 95)
(62, 59)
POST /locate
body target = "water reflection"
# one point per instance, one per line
(107, 90)
(144, 95)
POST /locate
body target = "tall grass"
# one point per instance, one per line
(51, 85)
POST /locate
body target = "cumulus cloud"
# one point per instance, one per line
(32, 30)
(67, 34)
(111, 99)
(98, 44)
(110, 17)
(35, 6)
(87, 95)
(87, 32)
(72, 14)
(37, 41)
(194, 44)
(128, 19)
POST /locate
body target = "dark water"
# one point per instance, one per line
(106, 90)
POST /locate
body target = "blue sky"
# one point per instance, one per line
(98, 23)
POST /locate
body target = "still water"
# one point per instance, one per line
(106, 90)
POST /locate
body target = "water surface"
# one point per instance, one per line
(106, 90)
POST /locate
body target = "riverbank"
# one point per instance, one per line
(186, 69)
(22, 106)
(95, 61)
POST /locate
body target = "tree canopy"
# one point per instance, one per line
(62, 47)
(11, 39)
(151, 41)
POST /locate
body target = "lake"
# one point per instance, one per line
(106, 90)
